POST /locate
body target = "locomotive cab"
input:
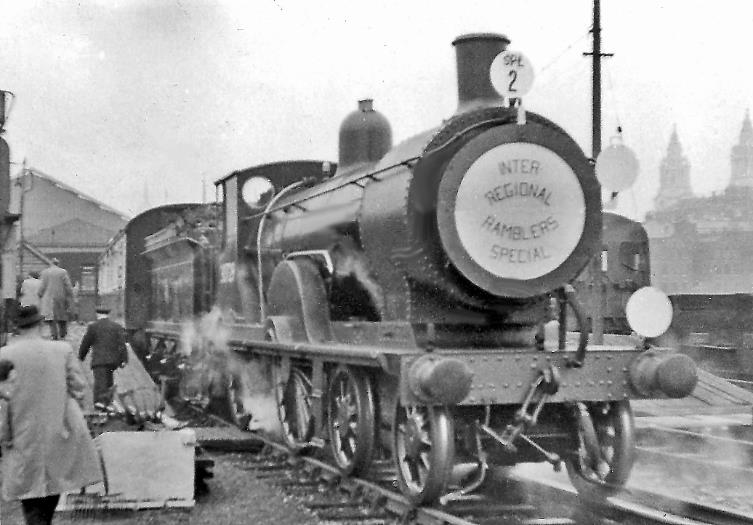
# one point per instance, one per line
(245, 197)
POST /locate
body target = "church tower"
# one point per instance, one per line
(674, 176)
(742, 156)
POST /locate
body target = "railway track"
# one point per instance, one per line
(511, 497)
(710, 467)
(375, 500)
(635, 505)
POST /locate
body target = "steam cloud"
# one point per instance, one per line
(214, 369)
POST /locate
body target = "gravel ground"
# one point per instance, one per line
(235, 496)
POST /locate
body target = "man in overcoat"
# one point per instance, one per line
(56, 292)
(30, 290)
(107, 340)
(47, 449)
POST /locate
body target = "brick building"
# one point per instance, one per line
(60, 221)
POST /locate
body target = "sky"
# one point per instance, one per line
(139, 101)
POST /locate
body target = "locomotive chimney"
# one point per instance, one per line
(365, 136)
(475, 53)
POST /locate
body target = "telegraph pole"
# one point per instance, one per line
(599, 295)
(596, 56)
(22, 183)
(7, 220)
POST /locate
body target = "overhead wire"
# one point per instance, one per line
(560, 55)
(567, 89)
(566, 77)
(616, 108)
(613, 95)
(554, 75)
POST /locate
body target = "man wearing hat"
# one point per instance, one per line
(47, 449)
(56, 292)
(107, 340)
(30, 290)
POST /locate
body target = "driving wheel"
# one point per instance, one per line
(350, 418)
(605, 441)
(294, 409)
(424, 449)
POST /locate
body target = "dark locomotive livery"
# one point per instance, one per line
(396, 298)
(626, 268)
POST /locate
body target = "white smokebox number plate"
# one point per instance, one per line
(520, 211)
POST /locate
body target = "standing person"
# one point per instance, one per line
(74, 304)
(30, 290)
(47, 449)
(107, 340)
(56, 293)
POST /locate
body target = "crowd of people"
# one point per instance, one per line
(52, 292)
(47, 449)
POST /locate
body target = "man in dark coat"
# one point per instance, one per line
(55, 292)
(107, 340)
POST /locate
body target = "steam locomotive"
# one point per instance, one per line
(398, 303)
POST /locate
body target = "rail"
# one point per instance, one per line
(335, 498)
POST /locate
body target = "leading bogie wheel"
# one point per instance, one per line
(605, 448)
(424, 450)
(350, 419)
(294, 409)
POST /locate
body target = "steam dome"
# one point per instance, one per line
(365, 136)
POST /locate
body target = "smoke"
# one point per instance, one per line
(246, 279)
(257, 392)
(227, 382)
(208, 332)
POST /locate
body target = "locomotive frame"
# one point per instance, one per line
(357, 287)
